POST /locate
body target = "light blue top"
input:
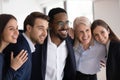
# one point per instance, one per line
(88, 61)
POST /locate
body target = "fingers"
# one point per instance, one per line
(102, 63)
(25, 59)
(19, 60)
(22, 56)
(11, 55)
(21, 52)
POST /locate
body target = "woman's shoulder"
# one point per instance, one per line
(115, 45)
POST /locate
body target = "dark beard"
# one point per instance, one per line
(61, 38)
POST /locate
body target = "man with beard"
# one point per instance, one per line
(58, 60)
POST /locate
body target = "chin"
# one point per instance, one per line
(65, 36)
(41, 42)
(14, 42)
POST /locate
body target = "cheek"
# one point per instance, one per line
(9, 34)
(39, 33)
(97, 39)
(7, 38)
(46, 33)
(107, 35)
(79, 37)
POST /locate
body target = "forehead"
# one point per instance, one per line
(40, 21)
(99, 28)
(60, 16)
(82, 27)
(12, 22)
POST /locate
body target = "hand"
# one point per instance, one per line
(102, 63)
(19, 60)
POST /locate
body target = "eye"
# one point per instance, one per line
(102, 32)
(81, 32)
(87, 30)
(40, 28)
(13, 28)
(67, 22)
(95, 35)
(60, 23)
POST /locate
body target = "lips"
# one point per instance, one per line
(63, 32)
(42, 38)
(15, 37)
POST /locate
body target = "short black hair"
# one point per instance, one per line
(55, 11)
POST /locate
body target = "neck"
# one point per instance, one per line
(85, 46)
(28, 36)
(2, 46)
(55, 39)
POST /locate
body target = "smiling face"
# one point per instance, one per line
(59, 26)
(101, 34)
(83, 34)
(38, 32)
(10, 32)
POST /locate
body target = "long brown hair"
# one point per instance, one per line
(4, 19)
(102, 23)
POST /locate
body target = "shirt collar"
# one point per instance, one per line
(32, 47)
(50, 42)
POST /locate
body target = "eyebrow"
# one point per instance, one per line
(40, 26)
(11, 26)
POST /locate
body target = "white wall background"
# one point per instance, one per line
(0, 6)
(108, 10)
(19, 8)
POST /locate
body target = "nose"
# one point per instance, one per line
(16, 32)
(65, 26)
(44, 32)
(85, 34)
(100, 37)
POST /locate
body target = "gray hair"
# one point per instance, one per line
(81, 20)
(78, 21)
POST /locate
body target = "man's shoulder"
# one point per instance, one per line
(17, 47)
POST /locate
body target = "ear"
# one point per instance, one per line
(29, 28)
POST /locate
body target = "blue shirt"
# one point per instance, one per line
(88, 61)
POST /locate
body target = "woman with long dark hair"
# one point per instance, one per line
(9, 34)
(104, 35)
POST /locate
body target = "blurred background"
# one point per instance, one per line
(107, 10)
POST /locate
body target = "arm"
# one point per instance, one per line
(16, 63)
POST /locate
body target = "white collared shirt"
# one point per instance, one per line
(88, 61)
(56, 59)
(31, 45)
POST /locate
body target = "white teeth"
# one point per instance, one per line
(64, 31)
